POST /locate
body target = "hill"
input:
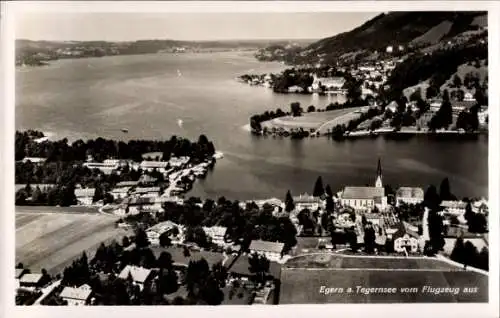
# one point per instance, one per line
(408, 29)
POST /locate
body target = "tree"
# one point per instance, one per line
(436, 228)
(483, 259)
(318, 188)
(165, 240)
(259, 266)
(125, 241)
(330, 205)
(98, 194)
(328, 191)
(352, 240)
(457, 81)
(369, 239)
(165, 260)
(141, 238)
(311, 109)
(289, 204)
(444, 191)
(186, 252)
(19, 265)
(431, 198)
(458, 251)
(295, 109)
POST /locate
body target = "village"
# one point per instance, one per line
(165, 248)
(417, 111)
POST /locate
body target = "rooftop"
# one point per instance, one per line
(87, 192)
(79, 293)
(265, 246)
(139, 274)
(31, 278)
(362, 192)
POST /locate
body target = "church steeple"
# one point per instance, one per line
(378, 182)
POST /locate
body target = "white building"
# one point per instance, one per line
(160, 166)
(76, 296)
(366, 198)
(454, 207)
(34, 160)
(409, 195)
(469, 97)
(435, 105)
(84, 196)
(106, 168)
(140, 275)
(482, 115)
(272, 250)
(216, 233)
(330, 83)
(119, 193)
(306, 201)
(405, 238)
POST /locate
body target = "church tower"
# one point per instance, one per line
(378, 182)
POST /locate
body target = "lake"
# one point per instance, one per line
(148, 94)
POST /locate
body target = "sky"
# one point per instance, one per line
(185, 26)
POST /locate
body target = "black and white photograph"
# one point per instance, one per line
(251, 158)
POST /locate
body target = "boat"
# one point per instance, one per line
(125, 130)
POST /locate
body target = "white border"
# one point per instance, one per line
(7, 219)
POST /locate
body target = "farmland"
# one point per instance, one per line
(52, 238)
(303, 277)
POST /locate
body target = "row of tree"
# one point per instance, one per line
(101, 149)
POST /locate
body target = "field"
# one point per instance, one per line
(51, 238)
(323, 120)
(300, 285)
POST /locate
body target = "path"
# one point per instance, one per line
(46, 291)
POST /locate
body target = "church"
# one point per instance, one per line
(366, 198)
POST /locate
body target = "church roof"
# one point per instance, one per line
(362, 192)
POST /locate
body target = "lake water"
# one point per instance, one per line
(148, 94)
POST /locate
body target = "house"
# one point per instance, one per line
(469, 97)
(117, 162)
(393, 107)
(272, 250)
(295, 89)
(157, 230)
(140, 275)
(405, 240)
(459, 106)
(32, 280)
(178, 162)
(409, 195)
(44, 187)
(480, 206)
(147, 179)
(389, 49)
(147, 190)
(435, 105)
(127, 184)
(153, 156)
(20, 272)
(216, 233)
(329, 83)
(84, 196)
(76, 296)
(482, 115)
(306, 201)
(160, 166)
(34, 160)
(145, 204)
(106, 168)
(454, 207)
(119, 193)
